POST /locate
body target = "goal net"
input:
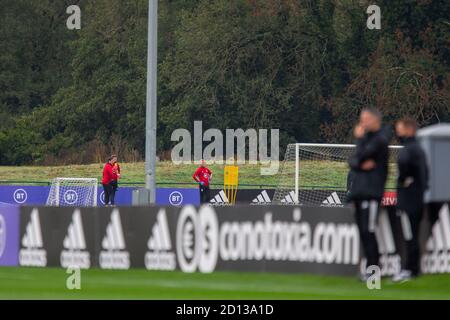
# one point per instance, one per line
(316, 174)
(73, 192)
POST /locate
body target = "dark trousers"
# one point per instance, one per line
(110, 192)
(107, 188)
(114, 187)
(366, 216)
(410, 222)
(204, 194)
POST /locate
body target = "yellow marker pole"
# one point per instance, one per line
(230, 182)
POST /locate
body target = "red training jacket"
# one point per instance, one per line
(202, 174)
(107, 173)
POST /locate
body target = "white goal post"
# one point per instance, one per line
(73, 192)
(309, 167)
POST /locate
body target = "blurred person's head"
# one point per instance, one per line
(370, 119)
(113, 159)
(406, 128)
(202, 163)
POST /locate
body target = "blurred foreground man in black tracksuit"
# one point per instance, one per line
(411, 185)
(369, 169)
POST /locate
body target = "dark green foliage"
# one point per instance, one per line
(305, 67)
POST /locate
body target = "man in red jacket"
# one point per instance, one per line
(203, 176)
(108, 177)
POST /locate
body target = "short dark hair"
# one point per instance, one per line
(408, 122)
(373, 111)
(112, 156)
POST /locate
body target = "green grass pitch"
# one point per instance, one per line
(50, 283)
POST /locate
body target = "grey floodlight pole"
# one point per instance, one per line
(150, 119)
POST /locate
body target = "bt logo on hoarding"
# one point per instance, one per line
(176, 198)
(70, 196)
(20, 196)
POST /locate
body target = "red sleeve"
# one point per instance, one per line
(196, 173)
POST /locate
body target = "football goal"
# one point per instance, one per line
(73, 192)
(308, 170)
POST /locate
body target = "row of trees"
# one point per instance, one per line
(303, 66)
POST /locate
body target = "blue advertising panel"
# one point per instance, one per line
(9, 235)
(177, 197)
(24, 195)
(37, 195)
